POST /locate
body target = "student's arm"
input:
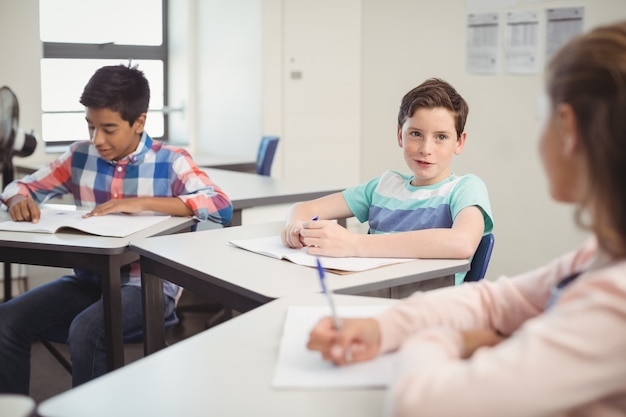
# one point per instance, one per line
(558, 361)
(332, 206)
(173, 206)
(204, 199)
(459, 241)
(23, 209)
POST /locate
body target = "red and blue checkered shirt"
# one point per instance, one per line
(153, 170)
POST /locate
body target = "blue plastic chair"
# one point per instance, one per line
(265, 155)
(480, 261)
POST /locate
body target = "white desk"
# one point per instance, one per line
(206, 263)
(96, 253)
(224, 371)
(252, 190)
(229, 162)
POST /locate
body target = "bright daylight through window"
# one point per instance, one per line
(81, 36)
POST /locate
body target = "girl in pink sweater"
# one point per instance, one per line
(551, 342)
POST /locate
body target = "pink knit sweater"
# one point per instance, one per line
(569, 360)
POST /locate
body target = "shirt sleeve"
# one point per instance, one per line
(194, 187)
(48, 182)
(569, 356)
(359, 198)
(472, 191)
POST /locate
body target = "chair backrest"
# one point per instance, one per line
(265, 155)
(480, 262)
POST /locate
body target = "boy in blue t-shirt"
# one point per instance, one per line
(431, 213)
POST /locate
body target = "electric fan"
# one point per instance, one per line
(13, 141)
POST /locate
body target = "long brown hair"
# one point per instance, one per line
(589, 73)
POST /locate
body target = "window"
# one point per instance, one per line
(78, 38)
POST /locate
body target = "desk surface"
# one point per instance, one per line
(224, 371)
(79, 242)
(249, 190)
(209, 256)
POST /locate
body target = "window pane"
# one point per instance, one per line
(62, 83)
(123, 22)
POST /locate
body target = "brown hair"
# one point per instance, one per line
(589, 74)
(434, 93)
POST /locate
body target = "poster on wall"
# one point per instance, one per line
(562, 25)
(521, 45)
(482, 43)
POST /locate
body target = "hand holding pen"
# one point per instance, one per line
(347, 354)
(291, 233)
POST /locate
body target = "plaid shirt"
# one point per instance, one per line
(153, 170)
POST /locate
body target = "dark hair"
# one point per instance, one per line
(434, 93)
(589, 74)
(119, 88)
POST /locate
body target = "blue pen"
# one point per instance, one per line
(315, 218)
(329, 295)
(333, 310)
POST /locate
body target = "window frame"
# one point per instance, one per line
(62, 50)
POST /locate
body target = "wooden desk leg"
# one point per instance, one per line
(112, 303)
(153, 305)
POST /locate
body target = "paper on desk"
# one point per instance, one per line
(114, 225)
(298, 367)
(272, 246)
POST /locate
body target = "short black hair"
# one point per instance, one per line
(119, 88)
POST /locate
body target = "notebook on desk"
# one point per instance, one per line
(298, 368)
(112, 225)
(272, 246)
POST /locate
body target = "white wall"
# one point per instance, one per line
(21, 53)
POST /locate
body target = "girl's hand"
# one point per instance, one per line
(358, 341)
(474, 339)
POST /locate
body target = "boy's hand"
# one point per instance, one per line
(290, 235)
(327, 238)
(23, 209)
(359, 337)
(122, 205)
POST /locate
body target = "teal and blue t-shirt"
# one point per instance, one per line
(391, 204)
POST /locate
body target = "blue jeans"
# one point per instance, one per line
(69, 309)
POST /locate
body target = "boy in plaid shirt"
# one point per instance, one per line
(119, 170)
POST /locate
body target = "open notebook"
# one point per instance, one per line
(273, 246)
(114, 225)
(297, 367)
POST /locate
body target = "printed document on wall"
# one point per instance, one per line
(562, 25)
(522, 42)
(482, 43)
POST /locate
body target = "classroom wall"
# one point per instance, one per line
(356, 59)
(407, 41)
